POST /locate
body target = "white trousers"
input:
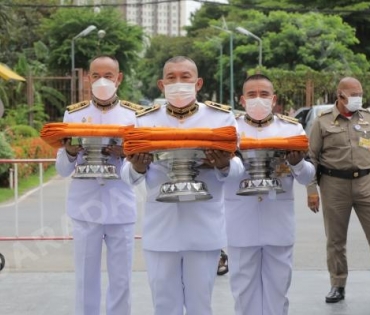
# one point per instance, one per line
(260, 278)
(181, 280)
(88, 243)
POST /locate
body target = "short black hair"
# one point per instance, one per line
(104, 56)
(257, 76)
(178, 59)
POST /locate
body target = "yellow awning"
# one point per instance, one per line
(8, 74)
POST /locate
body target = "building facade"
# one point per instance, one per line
(157, 17)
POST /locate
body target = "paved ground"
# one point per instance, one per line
(38, 277)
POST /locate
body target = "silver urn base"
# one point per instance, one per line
(89, 171)
(183, 191)
(96, 159)
(251, 187)
(183, 186)
(264, 167)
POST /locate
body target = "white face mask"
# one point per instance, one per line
(180, 94)
(354, 103)
(258, 108)
(103, 89)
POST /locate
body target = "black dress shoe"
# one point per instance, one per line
(335, 295)
(223, 267)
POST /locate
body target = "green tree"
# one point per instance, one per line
(19, 33)
(353, 12)
(313, 40)
(160, 50)
(291, 41)
(122, 40)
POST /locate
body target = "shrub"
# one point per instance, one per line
(32, 148)
(6, 152)
(21, 131)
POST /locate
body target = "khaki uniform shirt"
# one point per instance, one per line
(340, 143)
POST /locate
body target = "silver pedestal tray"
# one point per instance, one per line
(182, 170)
(96, 158)
(265, 167)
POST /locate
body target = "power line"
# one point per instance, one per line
(154, 2)
(51, 6)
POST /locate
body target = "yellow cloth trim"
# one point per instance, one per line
(8, 74)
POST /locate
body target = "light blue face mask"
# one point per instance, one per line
(354, 103)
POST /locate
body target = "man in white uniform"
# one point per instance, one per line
(182, 241)
(260, 228)
(101, 209)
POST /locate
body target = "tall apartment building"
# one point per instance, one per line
(155, 16)
(158, 17)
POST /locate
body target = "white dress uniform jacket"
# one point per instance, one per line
(254, 222)
(185, 226)
(96, 200)
(261, 231)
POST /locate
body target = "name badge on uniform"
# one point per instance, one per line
(364, 140)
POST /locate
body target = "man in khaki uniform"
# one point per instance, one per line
(339, 149)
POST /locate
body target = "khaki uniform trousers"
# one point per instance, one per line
(338, 197)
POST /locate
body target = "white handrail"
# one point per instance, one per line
(16, 192)
(66, 235)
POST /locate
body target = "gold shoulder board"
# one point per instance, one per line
(147, 110)
(222, 107)
(292, 120)
(132, 106)
(324, 112)
(238, 113)
(75, 107)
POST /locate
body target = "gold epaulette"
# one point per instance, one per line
(222, 107)
(324, 112)
(132, 106)
(292, 120)
(147, 110)
(238, 114)
(75, 107)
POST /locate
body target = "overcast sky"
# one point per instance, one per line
(194, 5)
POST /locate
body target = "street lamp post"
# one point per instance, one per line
(248, 33)
(85, 32)
(221, 74)
(101, 35)
(231, 64)
(219, 42)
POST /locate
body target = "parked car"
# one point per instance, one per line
(306, 115)
(301, 114)
(159, 101)
(145, 102)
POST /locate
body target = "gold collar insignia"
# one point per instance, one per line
(105, 107)
(259, 123)
(181, 113)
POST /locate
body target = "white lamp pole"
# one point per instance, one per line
(231, 64)
(85, 32)
(248, 33)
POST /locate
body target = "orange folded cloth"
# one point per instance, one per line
(139, 140)
(54, 133)
(138, 146)
(296, 143)
(162, 133)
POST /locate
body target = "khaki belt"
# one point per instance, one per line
(346, 174)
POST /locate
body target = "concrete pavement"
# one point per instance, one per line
(38, 277)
